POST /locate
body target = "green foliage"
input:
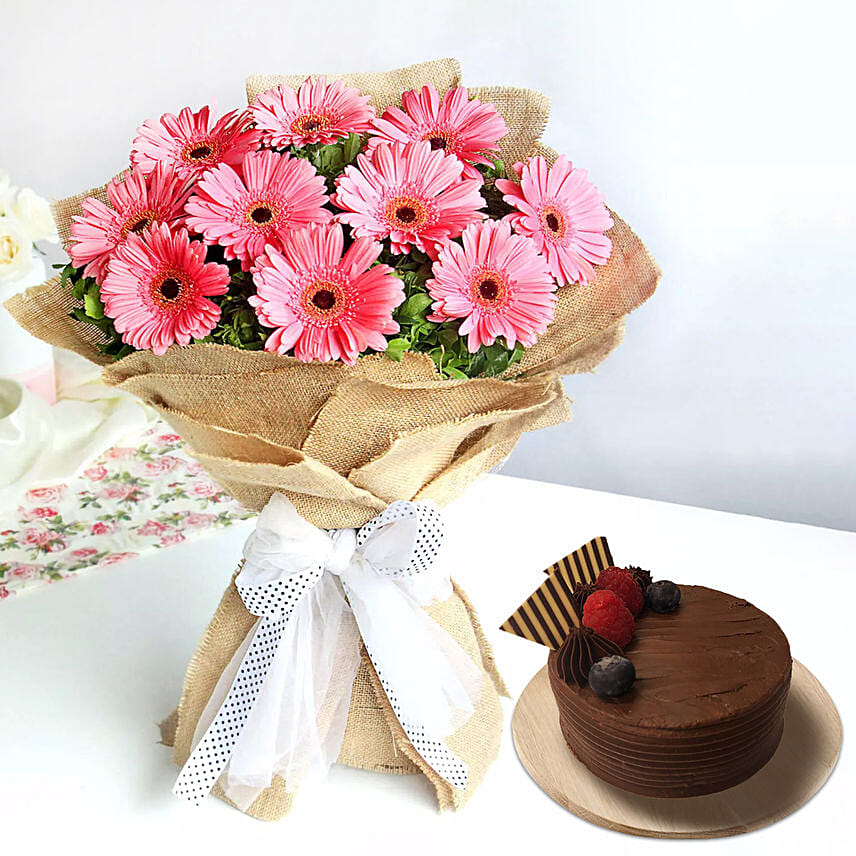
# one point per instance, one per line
(91, 311)
(238, 326)
(441, 341)
(496, 206)
(330, 160)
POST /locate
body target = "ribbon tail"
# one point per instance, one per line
(432, 684)
(211, 754)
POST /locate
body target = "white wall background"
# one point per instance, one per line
(724, 133)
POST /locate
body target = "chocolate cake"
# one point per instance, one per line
(706, 710)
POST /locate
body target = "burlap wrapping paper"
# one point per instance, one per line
(343, 442)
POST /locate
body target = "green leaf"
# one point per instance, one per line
(352, 147)
(395, 348)
(414, 307)
(93, 305)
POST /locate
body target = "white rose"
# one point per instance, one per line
(16, 259)
(34, 214)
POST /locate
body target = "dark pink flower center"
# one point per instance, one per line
(261, 215)
(324, 299)
(199, 153)
(438, 143)
(170, 289)
(553, 223)
(406, 212)
(170, 292)
(489, 289)
(311, 122)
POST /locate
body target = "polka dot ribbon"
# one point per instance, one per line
(284, 560)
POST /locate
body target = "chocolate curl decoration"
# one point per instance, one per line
(581, 648)
(548, 614)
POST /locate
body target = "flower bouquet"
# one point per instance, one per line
(350, 299)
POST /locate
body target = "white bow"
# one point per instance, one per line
(281, 705)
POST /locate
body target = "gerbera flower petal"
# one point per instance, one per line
(458, 125)
(278, 194)
(319, 112)
(563, 212)
(192, 143)
(409, 193)
(497, 283)
(157, 287)
(321, 305)
(135, 202)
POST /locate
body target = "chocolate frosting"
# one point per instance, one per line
(579, 595)
(582, 646)
(642, 577)
(706, 710)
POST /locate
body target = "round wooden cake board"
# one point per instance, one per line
(802, 763)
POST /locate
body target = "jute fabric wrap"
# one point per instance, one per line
(343, 442)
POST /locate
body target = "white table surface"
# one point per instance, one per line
(89, 666)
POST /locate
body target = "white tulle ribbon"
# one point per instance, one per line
(281, 705)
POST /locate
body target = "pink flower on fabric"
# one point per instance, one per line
(151, 527)
(102, 528)
(278, 194)
(169, 439)
(158, 287)
(199, 520)
(120, 453)
(319, 112)
(172, 538)
(411, 194)
(46, 494)
(4, 592)
(563, 213)
(43, 513)
(205, 489)
(83, 553)
(115, 558)
(497, 283)
(164, 464)
(95, 473)
(321, 304)
(118, 491)
(22, 571)
(38, 537)
(461, 127)
(192, 143)
(135, 202)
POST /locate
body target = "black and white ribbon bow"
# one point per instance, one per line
(281, 706)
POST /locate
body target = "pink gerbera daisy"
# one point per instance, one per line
(277, 194)
(458, 126)
(325, 306)
(157, 286)
(317, 113)
(497, 283)
(562, 211)
(193, 142)
(136, 201)
(412, 194)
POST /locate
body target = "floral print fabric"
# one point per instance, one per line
(130, 500)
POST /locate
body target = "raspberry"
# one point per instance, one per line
(605, 613)
(624, 585)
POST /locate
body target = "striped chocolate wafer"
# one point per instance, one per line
(548, 614)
